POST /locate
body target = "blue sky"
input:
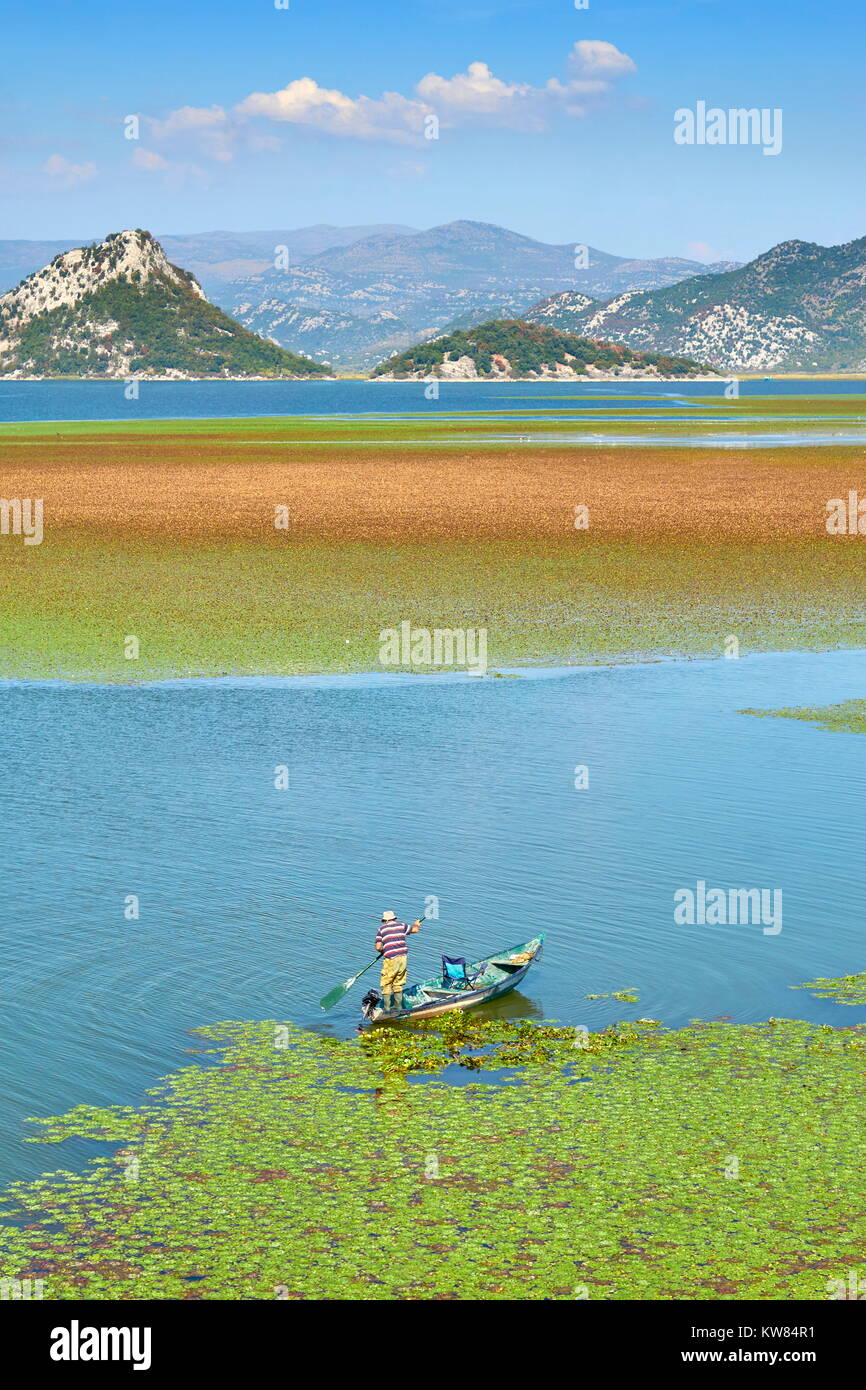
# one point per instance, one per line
(554, 121)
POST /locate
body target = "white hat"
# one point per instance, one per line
(389, 916)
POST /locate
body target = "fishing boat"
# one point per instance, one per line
(460, 985)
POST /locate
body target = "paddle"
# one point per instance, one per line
(336, 994)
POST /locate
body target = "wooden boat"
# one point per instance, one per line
(488, 979)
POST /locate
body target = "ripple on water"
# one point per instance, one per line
(253, 902)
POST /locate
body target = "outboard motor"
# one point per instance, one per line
(370, 1003)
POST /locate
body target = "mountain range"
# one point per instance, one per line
(356, 304)
(123, 307)
(355, 295)
(214, 258)
(120, 309)
(797, 307)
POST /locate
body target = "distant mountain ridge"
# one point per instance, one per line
(357, 303)
(355, 295)
(797, 307)
(367, 298)
(213, 257)
(509, 349)
(120, 308)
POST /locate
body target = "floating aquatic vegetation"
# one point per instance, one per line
(848, 717)
(629, 995)
(719, 1161)
(845, 989)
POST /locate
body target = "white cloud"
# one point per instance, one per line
(188, 118)
(150, 160)
(476, 95)
(471, 98)
(304, 102)
(179, 173)
(598, 58)
(209, 127)
(66, 173)
(573, 98)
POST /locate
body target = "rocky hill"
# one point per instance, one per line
(120, 308)
(503, 349)
(798, 307)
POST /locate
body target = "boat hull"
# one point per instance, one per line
(441, 1001)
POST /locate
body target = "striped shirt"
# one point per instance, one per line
(392, 937)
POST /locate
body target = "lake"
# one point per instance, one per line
(167, 400)
(254, 901)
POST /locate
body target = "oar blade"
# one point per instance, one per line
(336, 994)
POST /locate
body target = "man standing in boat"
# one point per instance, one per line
(392, 942)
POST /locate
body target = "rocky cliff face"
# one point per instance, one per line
(133, 256)
(799, 307)
(563, 310)
(121, 308)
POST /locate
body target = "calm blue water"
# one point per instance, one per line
(255, 901)
(105, 400)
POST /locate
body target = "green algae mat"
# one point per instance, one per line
(165, 531)
(845, 989)
(717, 1162)
(847, 717)
(226, 608)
